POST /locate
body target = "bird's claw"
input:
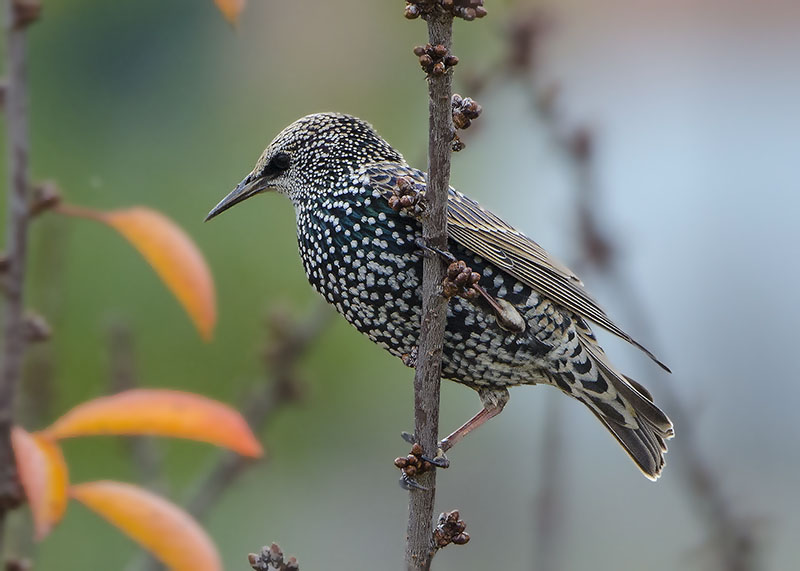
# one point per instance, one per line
(417, 463)
(444, 254)
(408, 483)
(438, 461)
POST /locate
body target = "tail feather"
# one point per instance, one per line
(642, 444)
(628, 411)
(645, 440)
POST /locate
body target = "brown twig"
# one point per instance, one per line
(14, 341)
(427, 381)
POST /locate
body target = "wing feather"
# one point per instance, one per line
(484, 233)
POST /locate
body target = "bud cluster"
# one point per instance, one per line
(407, 197)
(450, 529)
(461, 281)
(271, 559)
(465, 110)
(465, 9)
(413, 464)
(435, 60)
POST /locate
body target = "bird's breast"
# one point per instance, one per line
(361, 256)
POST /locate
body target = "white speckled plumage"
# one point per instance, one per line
(363, 258)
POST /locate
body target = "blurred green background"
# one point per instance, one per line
(693, 107)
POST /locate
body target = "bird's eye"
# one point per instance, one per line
(280, 162)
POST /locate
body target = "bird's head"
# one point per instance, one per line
(312, 156)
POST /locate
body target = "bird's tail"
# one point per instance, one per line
(626, 408)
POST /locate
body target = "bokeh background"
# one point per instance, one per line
(692, 182)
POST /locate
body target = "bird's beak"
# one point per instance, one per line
(250, 186)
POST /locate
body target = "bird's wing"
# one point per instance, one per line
(477, 229)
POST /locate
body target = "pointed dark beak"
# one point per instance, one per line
(250, 186)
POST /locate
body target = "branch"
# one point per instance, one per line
(419, 550)
(18, 15)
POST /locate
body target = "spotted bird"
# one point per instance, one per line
(365, 258)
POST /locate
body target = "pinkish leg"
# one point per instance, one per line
(493, 403)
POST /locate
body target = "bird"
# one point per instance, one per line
(528, 323)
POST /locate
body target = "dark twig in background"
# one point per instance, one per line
(147, 456)
(148, 460)
(18, 15)
(733, 537)
(427, 379)
(289, 342)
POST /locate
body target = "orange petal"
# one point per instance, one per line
(44, 478)
(231, 9)
(159, 526)
(160, 412)
(172, 254)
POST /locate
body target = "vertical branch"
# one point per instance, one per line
(17, 18)
(419, 550)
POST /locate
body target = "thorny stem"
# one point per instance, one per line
(13, 344)
(419, 550)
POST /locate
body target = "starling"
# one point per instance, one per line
(362, 252)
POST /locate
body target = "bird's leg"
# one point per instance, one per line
(505, 314)
(416, 462)
(493, 402)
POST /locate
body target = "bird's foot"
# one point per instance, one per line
(438, 461)
(443, 254)
(416, 462)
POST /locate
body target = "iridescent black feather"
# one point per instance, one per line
(363, 257)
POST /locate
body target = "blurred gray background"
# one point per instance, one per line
(692, 109)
